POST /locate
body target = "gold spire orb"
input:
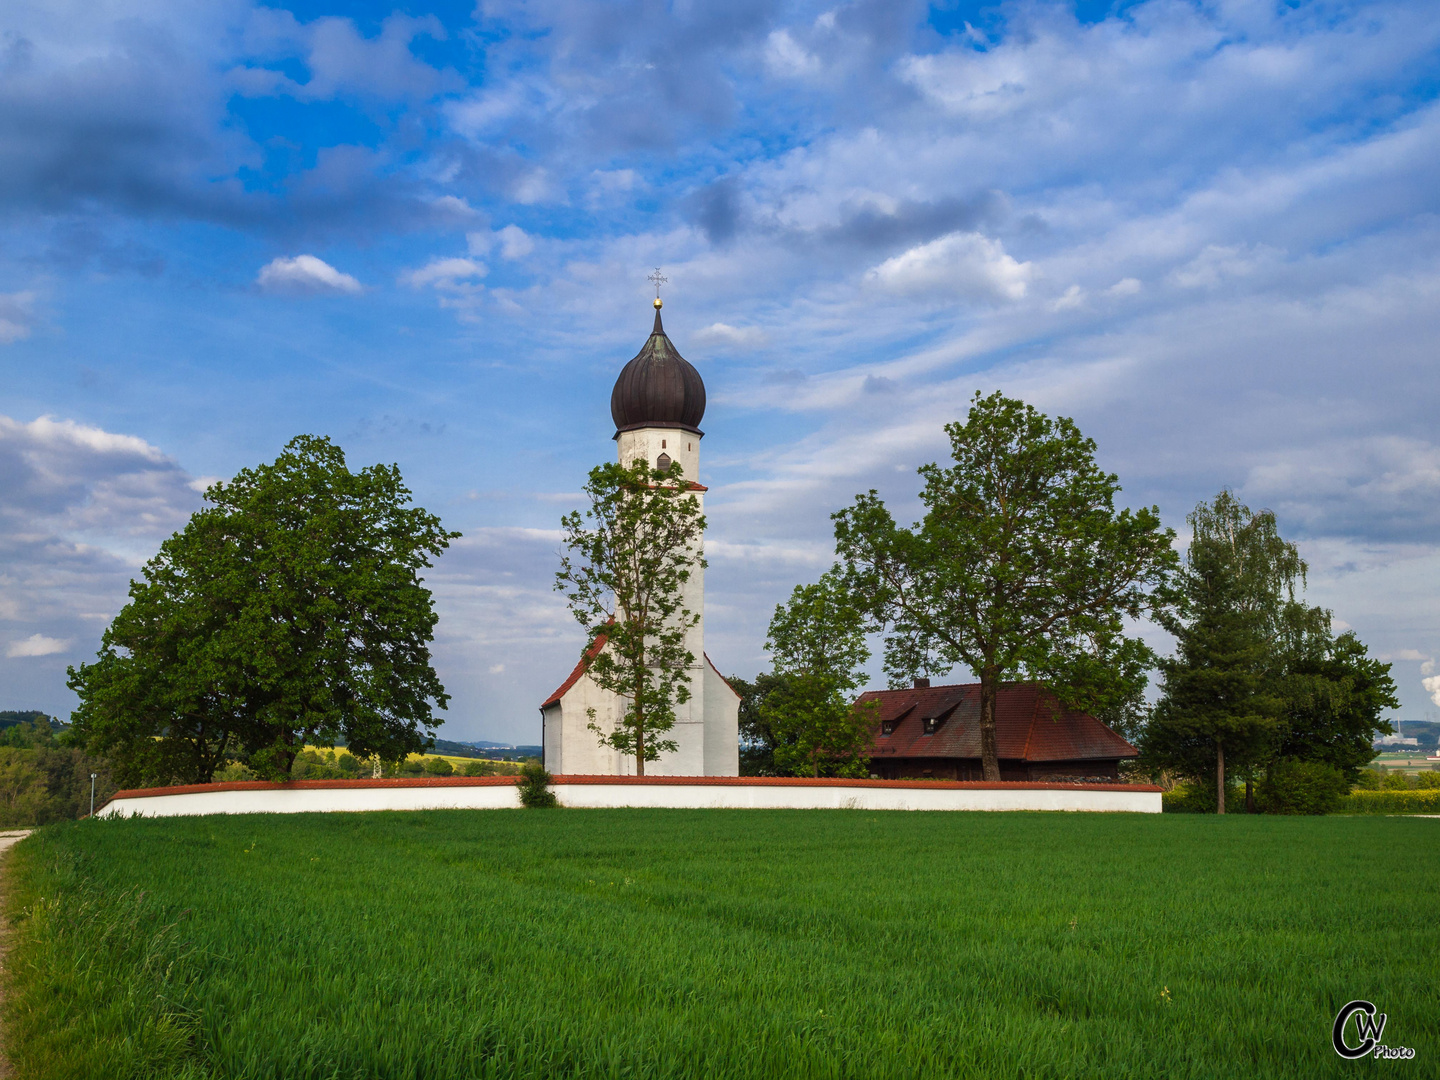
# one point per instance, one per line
(658, 304)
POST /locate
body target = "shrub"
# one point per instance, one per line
(1428, 781)
(1395, 781)
(535, 786)
(1196, 797)
(477, 768)
(438, 766)
(232, 771)
(1301, 787)
(1370, 780)
(1391, 802)
(350, 765)
(412, 766)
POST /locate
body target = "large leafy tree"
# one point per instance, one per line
(817, 641)
(291, 610)
(629, 557)
(1239, 623)
(1021, 567)
(1334, 695)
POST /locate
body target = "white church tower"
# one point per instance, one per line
(657, 405)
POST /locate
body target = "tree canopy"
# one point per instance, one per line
(629, 557)
(1257, 674)
(817, 641)
(1021, 567)
(290, 610)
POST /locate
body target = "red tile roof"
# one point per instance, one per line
(580, 667)
(593, 652)
(1030, 725)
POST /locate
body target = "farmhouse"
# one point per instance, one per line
(934, 731)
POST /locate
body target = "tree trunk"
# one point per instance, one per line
(989, 755)
(1219, 777)
(640, 719)
(1249, 796)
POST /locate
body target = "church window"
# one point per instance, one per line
(663, 462)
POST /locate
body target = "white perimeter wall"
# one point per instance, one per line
(601, 795)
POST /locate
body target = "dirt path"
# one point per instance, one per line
(8, 837)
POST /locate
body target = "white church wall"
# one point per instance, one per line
(722, 726)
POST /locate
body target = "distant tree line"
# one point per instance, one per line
(44, 775)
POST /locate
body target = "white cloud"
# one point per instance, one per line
(1072, 298)
(37, 645)
(737, 337)
(1217, 263)
(1432, 687)
(962, 264)
(447, 275)
(305, 274)
(784, 56)
(1125, 287)
(514, 243)
(17, 316)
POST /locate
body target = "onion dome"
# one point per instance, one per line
(659, 388)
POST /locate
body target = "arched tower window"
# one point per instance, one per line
(662, 462)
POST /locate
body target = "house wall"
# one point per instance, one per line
(972, 769)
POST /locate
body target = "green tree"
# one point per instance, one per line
(289, 611)
(817, 641)
(628, 560)
(1237, 622)
(1334, 694)
(757, 738)
(1020, 567)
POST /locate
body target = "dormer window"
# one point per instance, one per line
(887, 727)
(932, 724)
(662, 462)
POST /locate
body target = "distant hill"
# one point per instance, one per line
(482, 749)
(11, 717)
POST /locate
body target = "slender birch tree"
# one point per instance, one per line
(627, 561)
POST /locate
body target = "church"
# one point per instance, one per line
(657, 405)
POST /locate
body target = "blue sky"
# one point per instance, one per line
(1208, 231)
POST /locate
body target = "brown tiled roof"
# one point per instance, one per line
(593, 652)
(580, 667)
(1030, 725)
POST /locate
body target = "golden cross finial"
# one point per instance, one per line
(657, 279)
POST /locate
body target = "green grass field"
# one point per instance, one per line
(714, 944)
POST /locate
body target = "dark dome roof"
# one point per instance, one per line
(659, 388)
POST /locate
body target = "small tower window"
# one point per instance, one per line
(663, 462)
(662, 444)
